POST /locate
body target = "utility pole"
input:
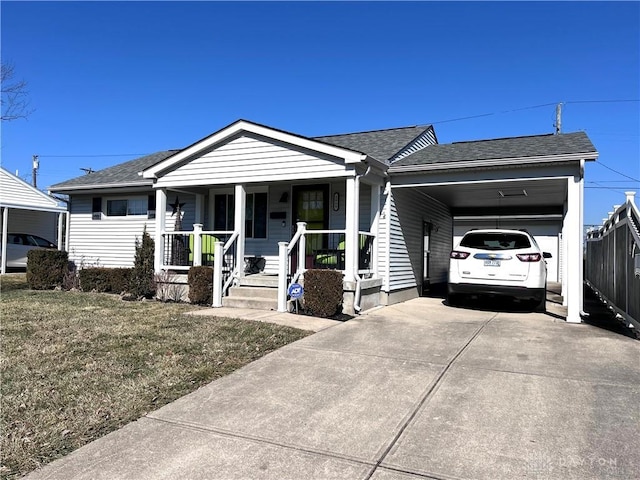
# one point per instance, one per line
(36, 165)
(558, 118)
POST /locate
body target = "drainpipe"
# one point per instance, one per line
(357, 293)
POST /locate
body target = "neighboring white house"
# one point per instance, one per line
(383, 206)
(25, 209)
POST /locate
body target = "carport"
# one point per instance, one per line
(26, 209)
(534, 182)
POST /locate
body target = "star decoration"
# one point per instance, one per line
(177, 206)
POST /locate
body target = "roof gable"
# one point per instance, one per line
(379, 144)
(16, 193)
(243, 126)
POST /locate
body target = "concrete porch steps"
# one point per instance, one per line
(255, 291)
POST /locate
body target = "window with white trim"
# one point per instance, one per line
(255, 214)
(125, 207)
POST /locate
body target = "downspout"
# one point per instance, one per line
(357, 293)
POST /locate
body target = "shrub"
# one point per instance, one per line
(322, 292)
(113, 280)
(95, 279)
(120, 278)
(201, 285)
(142, 284)
(46, 269)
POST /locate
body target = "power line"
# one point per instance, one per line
(619, 173)
(603, 101)
(96, 155)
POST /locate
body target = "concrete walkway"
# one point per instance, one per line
(416, 390)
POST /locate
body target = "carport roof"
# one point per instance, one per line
(514, 147)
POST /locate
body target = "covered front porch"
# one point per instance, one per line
(270, 220)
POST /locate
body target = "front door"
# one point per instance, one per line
(311, 205)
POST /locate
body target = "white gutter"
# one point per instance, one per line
(496, 162)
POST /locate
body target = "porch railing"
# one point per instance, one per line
(318, 249)
(182, 250)
(612, 261)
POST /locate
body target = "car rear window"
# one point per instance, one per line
(495, 241)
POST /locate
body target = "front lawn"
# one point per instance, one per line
(76, 366)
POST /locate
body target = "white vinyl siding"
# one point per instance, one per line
(250, 160)
(110, 242)
(405, 239)
(15, 192)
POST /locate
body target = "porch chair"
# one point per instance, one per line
(208, 246)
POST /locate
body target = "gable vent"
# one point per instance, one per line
(422, 141)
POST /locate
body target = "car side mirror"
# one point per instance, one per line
(546, 255)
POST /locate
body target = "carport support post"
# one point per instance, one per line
(5, 237)
(161, 213)
(574, 249)
(61, 217)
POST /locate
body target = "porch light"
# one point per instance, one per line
(284, 198)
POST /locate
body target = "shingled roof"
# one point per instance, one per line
(379, 144)
(123, 174)
(501, 148)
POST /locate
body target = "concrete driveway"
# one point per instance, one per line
(416, 390)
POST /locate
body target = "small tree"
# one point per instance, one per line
(142, 276)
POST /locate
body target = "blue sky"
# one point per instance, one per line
(108, 79)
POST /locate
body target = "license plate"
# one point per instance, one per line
(492, 263)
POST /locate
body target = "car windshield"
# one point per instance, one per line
(495, 241)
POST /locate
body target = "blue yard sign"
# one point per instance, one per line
(295, 291)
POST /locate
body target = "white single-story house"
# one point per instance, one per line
(384, 207)
(25, 209)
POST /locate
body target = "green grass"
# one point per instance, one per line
(76, 366)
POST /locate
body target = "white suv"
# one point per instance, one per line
(498, 262)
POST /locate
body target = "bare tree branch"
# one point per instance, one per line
(15, 96)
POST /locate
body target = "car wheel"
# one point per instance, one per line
(541, 306)
(453, 299)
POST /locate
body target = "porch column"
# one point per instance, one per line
(375, 220)
(351, 230)
(5, 238)
(239, 214)
(199, 213)
(574, 252)
(161, 214)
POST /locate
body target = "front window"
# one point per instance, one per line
(123, 207)
(255, 214)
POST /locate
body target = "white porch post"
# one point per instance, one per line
(351, 230)
(574, 251)
(161, 214)
(283, 267)
(5, 237)
(199, 213)
(239, 214)
(217, 274)
(375, 221)
(197, 244)
(67, 231)
(60, 230)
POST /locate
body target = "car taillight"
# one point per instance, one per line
(529, 257)
(458, 255)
